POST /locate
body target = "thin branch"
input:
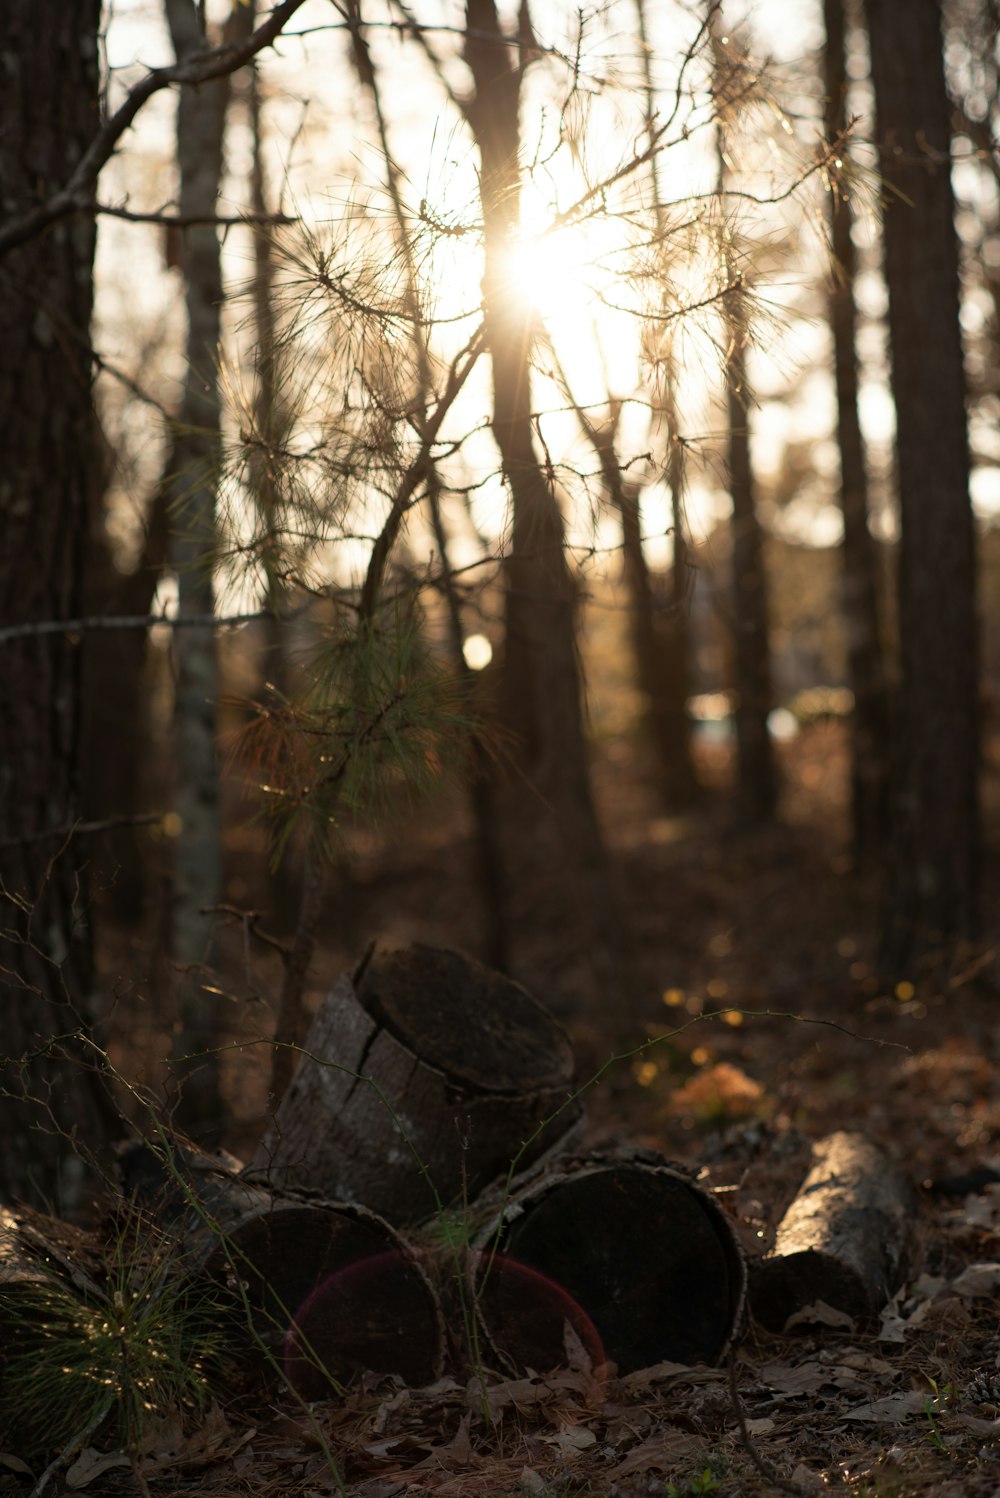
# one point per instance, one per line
(34, 627)
(80, 829)
(186, 220)
(77, 195)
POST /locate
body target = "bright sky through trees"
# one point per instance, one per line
(579, 279)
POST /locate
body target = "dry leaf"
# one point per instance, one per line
(14, 1464)
(92, 1463)
(661, 1453)
(658, 1373)
(978, 1280)
(531, 1482)
(803, 1378)
(888, 1411)
(980, 1427)
(863, 1362)
(571, 1441)
(819, 1314)
(762, 1427)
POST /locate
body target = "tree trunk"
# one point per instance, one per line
(931, 905)
(847, 1238)
(201, 114)
(638, 1259)
(556, 854)
(865, 660)
(424, 1078)
(757, 785)
(50, 110)
(114, 730)
(756, 778)
(661, 637)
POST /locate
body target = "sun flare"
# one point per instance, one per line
(552, 274)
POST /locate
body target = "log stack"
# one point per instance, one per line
(424, 1077)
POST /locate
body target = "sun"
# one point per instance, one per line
(552, 273)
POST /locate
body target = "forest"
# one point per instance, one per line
(500, 748)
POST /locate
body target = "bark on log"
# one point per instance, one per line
(640, 1261)
(847, 1239)
(331, 1286)
(425, 1076)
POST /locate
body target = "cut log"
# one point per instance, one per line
(847, 1239)
(640, 1262)
(332, 1287)
(424, 1076)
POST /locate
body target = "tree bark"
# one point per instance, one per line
(425, 1076)
(642, 1263)
(48, 112)
(931, 907)
(662, 637)
(757, 790)
(550, 819)
(201, 114)
(869, 724)
(847, 1239)
(197, 875)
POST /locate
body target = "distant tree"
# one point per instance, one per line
(756, 775)
(541, 690)
(49, 111)
(932, 899)
(865, 661)
(195, 461)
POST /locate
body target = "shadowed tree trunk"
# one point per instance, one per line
(756, 778)
(865, 660)
(931, 903)
(114, 693)
(552, 828)
(201, 114)
(662, 637)
(49, 110)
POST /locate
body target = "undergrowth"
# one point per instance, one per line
(108, 1351)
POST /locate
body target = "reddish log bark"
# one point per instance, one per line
(331, 1287)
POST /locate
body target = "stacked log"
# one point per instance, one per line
(638, 1260)
(331, 1287)
(424, 1077)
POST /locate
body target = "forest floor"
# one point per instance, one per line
(770, 1031)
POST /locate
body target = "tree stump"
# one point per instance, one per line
(846, 1239)
(425, 1077)
(331, 1287)
(639, 1261)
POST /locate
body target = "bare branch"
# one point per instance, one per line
(77, 195)
(35, 627)
(82, 829)
(188, 220)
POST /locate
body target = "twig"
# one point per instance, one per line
(77, 196)
(125, 621)
(250, 919)
(763, 1467)
(186, 220)
(70, 1449)
(80, 829)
